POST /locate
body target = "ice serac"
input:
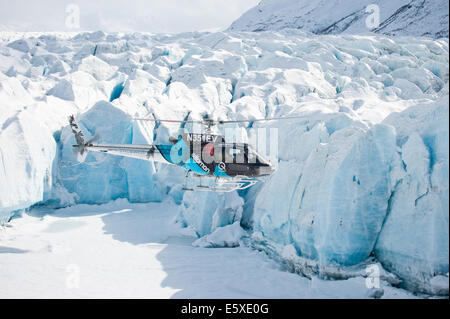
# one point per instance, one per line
(63, 90)
(142, 181)
(226, 236)
(332, 205)
(414, 239)
(101, 177)
(26, 159)
(204, 212)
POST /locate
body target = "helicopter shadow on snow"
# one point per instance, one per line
(188, 269)
(202, 272)
(153, 224)
(195, 272)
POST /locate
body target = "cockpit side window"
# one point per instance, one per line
(251, 156)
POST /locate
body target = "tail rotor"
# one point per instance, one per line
(80, 148)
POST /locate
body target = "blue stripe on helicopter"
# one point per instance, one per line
(165, 152)
(194, 167)
(190, 164)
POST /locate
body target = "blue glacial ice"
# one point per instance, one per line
(331, 206)
(102, 178)
(27, 155)
(205, 212)
(414, 240)
(364, 175)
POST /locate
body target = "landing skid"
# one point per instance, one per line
(217, 184)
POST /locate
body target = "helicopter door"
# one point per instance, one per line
(208, 153)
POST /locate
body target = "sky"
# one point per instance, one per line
(156, 16)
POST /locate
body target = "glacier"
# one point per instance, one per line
(363, 176)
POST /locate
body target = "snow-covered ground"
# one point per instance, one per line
(390, 17)
(363, 176)
(122, 250)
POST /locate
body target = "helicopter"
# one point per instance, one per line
(226, 166)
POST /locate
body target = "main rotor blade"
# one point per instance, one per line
(220, 121)
(170, 121)
(260, 120)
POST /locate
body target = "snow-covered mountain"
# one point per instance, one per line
(396, 17)
(363, 176)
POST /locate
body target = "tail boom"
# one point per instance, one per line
(139, 151)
